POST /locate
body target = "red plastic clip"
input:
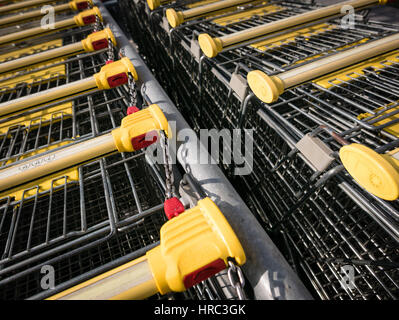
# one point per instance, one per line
(144, 140)
(82, 5)
(109, 61)
(117, 80)
(132, 109)
(203, 273)
(173, 207)
(100, 44)
(89, 19)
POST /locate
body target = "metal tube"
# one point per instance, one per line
(131, 281)
(24, 62)
(18, 36)
(268, 88)
(31, 15)
(24, 5)
(50, 95)
(176, 18)
(212, 46)
(36, 167)
(266, 269)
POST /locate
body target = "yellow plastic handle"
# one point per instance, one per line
(115, 74)
(98, 40)
(377, 173)
(87, 17)
(194, 246)
(153, 4)
(79, 5)
(137, 128)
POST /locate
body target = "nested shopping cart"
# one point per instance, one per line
(319, 215)
(105, 205)
(109, 214)
(179, 52)
(325, 170)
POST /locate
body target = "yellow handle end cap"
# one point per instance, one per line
(266, 88)
(153, 4)
(175, 18)
(373, 171)
(194, 246)
(209, 46)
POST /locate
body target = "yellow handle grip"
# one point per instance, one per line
(268, 88)
(122, 139)
(78, 5)
(176, 18)
(377, 173)
(213, 46)
(95, 41)
(193, 247)
(88, 17)
(136, 129)
(110, 76)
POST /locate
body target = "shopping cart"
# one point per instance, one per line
(300, 187)
(36, 229)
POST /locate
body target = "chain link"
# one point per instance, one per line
(110, 50)
(98, 25)
(169, 178)
(132, 90)
(237, 280)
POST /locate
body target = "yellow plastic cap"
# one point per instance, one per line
(382, 2)
(377, 173)
(153, 4)
(115, 74)
(210, 46)
(80, 4)
(266, 88)
(88, 17)
(175, 18)
(98, 40)
(137, 124)
(191, 245)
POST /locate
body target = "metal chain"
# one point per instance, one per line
(169, 178)
(132, 90)
(110, 50)
(98, 25)
(237, 280)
